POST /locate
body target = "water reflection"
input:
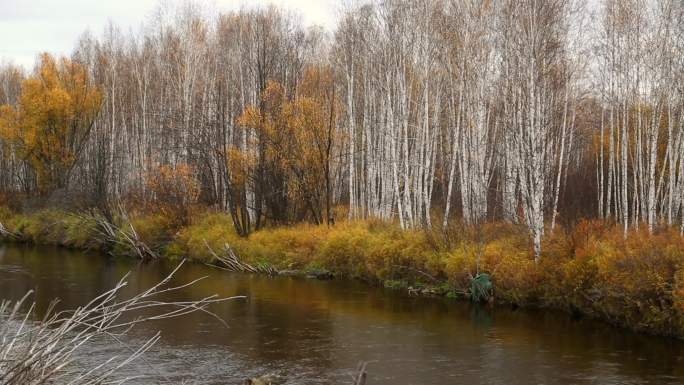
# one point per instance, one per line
(316, 332)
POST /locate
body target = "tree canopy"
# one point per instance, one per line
(52, 119)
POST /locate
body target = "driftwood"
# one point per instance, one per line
(229, 261)
(4, 232)
(360, 378)
(126, 236)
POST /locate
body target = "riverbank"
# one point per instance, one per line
(304, 329)
(635, 282)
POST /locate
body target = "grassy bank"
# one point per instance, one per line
(591, 269)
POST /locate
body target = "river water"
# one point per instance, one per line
(315, 332)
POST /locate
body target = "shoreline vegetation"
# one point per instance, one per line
(436, 147)
(590, 269)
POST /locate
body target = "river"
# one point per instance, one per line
(316, 332)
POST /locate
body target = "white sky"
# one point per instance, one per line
(28, 27)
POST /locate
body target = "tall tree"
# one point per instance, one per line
(52, 119)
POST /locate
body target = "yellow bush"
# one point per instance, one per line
(460, 265)
(5, 214)
(215, 228)
(174, 190)
(80, 232)
(288, 247)
(678, 300)
(628, 280)
(516, 277)
(345, 252)
(53, 227)
(154, 230)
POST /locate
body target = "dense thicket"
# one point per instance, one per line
(423, 111)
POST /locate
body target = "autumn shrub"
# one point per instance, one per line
(80, 232)
(6, 214)
(678, 298)
(516, 278)
(591, 268)
(57, 227)
(12, 220)
(499, 249)
(216, 229)
(174, 192)
(11, 201)
(629, 280)
(345, 251)
(287, 247)
(43, 226)
(460, 264)
(154, 230)
(636, 277)
(53, 227)
(361, 249)
(508, 257)
(552, 270)
(398, 254)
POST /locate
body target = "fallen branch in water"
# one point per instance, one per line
(112, 234)
(45, 351)
(230, 261)
(360, 378)
(6, 233)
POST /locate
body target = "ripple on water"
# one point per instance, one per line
(317, 332)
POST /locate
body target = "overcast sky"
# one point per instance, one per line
(28, 27)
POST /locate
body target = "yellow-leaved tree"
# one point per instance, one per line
(52, 120)
(297, 138)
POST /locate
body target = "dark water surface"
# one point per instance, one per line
(314, 332)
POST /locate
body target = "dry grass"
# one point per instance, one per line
(591, 268)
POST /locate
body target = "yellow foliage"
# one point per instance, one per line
(174, 191)
(52, 120)
(593, 269)
(296, 139)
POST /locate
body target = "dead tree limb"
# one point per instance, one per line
(126, 236)
(361, 375)
(47, 351)
(229, 260)
(4, 232)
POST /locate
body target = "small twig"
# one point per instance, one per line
(114, 235)
(43, 352)
(420, 272)
(6, 233)
(230, 262)
(360, 378)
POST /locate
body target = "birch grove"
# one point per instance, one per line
(429, 113)
(640, 59)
